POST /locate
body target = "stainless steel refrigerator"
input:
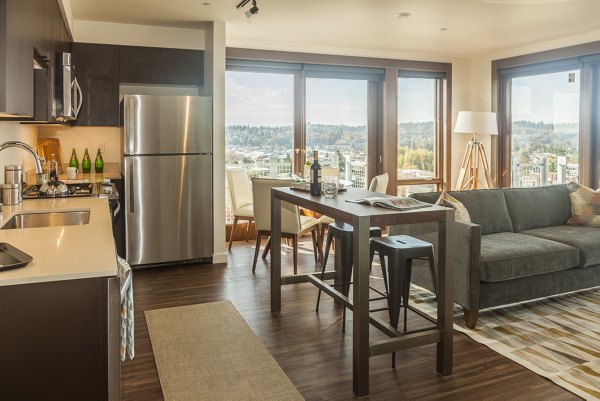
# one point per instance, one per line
(167, 169)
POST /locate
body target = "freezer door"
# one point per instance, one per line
(167, 124)
(168, 208)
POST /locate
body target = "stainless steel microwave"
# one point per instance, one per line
(68, 96)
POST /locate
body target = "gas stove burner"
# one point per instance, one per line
(80, 189)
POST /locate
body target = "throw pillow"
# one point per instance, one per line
(585, 205)
(460, 211)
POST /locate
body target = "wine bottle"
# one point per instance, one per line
(315, 176)
(99, 163)
(74, 162)
(86, 163)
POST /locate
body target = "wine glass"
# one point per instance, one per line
(330, 186)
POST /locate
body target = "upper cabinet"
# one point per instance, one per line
(97, 71)
(28, 29)
(140, 65)
(181, 67)
(101, 68)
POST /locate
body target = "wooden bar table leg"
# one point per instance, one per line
(275, 253)
(445, 295)
(360, 334)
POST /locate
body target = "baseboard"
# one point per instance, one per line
(219, 258)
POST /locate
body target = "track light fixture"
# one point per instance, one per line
(242, 4)
(252, 11)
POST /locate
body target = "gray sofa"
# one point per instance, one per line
(517, 248)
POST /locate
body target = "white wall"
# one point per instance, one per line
(12, 131)
(137, 35)
(215, 86)
(108, 138)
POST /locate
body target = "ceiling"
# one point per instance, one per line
(441, 27)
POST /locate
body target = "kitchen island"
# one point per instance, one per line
(60, 313)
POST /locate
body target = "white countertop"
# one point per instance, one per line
(62, 253)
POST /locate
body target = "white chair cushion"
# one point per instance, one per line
(326, 220)
(306, 223)
(245, 211)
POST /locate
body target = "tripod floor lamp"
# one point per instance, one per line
(475, 170)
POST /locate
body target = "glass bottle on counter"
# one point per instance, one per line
(52, 166)
(99, 163)
(86, 163)
(74, 162)
(315, 176)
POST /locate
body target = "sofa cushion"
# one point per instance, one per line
(586, 239)
(539, 207)
(585, 205)
(506, 256)
(486, 207)
(460, 211)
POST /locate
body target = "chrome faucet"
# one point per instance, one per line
(23, 145)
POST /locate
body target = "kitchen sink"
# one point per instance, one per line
(47, 219)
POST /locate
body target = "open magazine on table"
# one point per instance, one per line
(394, 202)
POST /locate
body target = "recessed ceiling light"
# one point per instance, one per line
(402, 15)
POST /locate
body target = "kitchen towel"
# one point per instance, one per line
(127, 340)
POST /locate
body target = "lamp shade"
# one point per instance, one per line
(476, 122)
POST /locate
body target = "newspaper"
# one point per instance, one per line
(395, 202)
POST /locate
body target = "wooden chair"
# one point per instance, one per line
(293, 225)
(241, 199)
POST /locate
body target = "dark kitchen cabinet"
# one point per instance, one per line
(14, 83)
(97, 71)
(182, 67)
(101, 68)
(28, 28)
(60, 340)
(139, 64)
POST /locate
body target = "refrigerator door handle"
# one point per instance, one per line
(131, 191)
(132, 118)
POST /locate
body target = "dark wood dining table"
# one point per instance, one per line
(362, 217)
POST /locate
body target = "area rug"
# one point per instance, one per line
(557, 338)
(208, 352)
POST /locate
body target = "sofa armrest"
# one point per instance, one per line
(467, 252)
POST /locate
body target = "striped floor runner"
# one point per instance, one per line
(557, 338)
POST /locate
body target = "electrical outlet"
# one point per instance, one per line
(102, 147)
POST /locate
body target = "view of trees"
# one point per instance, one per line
(532, 139)
(416, 146)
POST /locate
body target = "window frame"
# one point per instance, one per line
(382, 124)
(440, 85)
(586, 58)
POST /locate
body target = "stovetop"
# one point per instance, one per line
(77, 190)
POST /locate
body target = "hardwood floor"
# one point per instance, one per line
(310, 346)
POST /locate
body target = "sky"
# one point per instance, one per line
(267, 99)
(549, 97)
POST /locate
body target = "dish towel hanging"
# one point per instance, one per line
(127, 339)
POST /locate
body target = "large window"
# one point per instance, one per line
(419, 134)
(282, 106)
(336, 126)
(547, 107)
(259, 120)
(545, 129)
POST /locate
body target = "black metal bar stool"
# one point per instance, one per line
(343, 234)
(401, 250)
